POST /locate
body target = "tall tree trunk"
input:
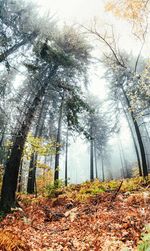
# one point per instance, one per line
(121, 160)
(147, 138)
(91, 155)
(58, 140)
(34, 156)
(66, 158)
(103, 175)
(134, 142)
(139, 137)
(9, 186)
(95, 157)
(10, 178)
(32, 174)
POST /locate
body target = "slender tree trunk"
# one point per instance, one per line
(103, 175)
(143, 157)
(51, 161)
(34, 156)
(32, 174)
(139, 137)
(91, 154)
(66, 158)
(121, 160)
(147, 145)
(58, 139)
(10, 178)
(95, 156)
(134, 142)
(91, 161)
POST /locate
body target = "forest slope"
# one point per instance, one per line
(92, 216)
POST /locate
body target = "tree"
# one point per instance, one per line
(122, 77)
(9, 186)
(96, 130)
(120, 80)
(75, 110)
(33, 161)
(136, 13)
(71, 108)
(58, 138)
(51, 57)
(66, 157)
(17, 28)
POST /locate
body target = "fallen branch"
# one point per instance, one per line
(115, 194)
(117, 191)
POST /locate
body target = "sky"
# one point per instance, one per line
(84, 12)
(79, 11)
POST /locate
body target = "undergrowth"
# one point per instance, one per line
(144, 243)
(83, 191)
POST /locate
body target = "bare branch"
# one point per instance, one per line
(140, 51)
(96, 33)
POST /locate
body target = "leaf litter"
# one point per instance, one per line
(92, 225)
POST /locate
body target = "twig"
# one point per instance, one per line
(117, 191)
(115, 195)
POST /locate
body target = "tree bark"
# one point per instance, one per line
(32, 174)
(2, 157)
(139, 137)
(95, 157)
(147, 138)
(135, 144)
(91, 155)
(34, 156)
(9, 186)
(103, 176)
(66, 158)
(58, 140)
(20, 177)
(121, 160)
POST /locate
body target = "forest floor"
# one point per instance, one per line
(92, 216)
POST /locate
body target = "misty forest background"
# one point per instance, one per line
(52, 128)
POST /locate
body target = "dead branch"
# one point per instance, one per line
(117, 191)
(96, 33)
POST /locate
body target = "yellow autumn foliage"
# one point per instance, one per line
(128, 9)
(39, 145)
(44, 180)
(134, 11)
